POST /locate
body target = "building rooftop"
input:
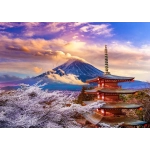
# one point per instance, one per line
(93, 118)
(110, 105)
(98, 119)
(108, 90)
(111, 77)
(125, 120)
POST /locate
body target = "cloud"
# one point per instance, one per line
(23, 68)
(75, 27)
(37, 69)
(79, 23)
(70, 79)
(19, 24)
(84, 29)
(43, 29)
(30, 24)
(63, 30)
(25, 49)
(55, 52)
(7, 77)
(102, 29)
(55, 27)
(39, 54)
(4, 33)
(75, 37)
(23, 54)
(59, 29)
(2, 28)
(9, 24)
(20, 48)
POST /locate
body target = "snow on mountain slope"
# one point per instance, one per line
(81, 69)
(78, 67)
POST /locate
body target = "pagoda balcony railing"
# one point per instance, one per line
(110, 87)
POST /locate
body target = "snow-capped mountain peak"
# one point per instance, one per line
(70, 61)
(80, 68)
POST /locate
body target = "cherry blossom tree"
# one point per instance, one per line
(30, 106)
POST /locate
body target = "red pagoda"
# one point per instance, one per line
(108, 91)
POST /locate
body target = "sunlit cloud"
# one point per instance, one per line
(70, 79)
(37, 70)
(21, 48)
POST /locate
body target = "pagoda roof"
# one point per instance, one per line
(122, 119)
(93, 118)
(110, 77)
(115, 105)
(108, 90)
(93, 101)
(97, 119)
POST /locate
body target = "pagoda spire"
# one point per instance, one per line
(106, 61)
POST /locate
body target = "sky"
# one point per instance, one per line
(28, 49)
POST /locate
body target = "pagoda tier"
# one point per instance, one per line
(110, 78)
(110, 91)
(98, 120)
(112, 110)
(109, 94)
(116, 105)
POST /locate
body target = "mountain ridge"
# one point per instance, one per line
(83, 70)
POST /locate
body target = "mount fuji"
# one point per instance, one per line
(70, 76)
(79, 68)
